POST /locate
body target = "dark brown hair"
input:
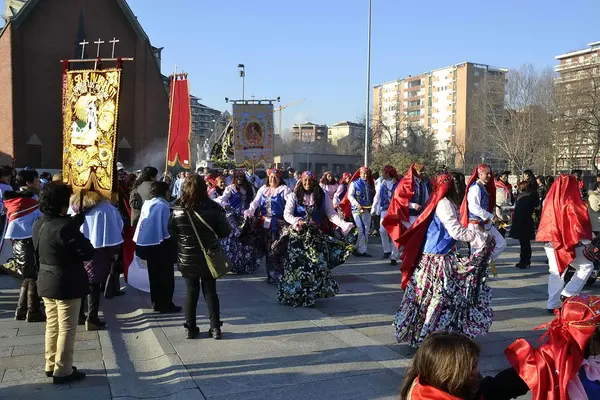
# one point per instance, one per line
(523, 186)
(445, 361)
(193, 192)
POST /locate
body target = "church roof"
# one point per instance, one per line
(30, 4)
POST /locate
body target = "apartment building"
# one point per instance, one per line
(344, 129)
(436, 100)
(578, 89)
(309, 132)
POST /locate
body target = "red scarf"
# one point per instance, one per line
(345, 205)
(548, 370)
(398, 210)
(423, 392)
(503, 185)
(565, 220)
(491, 190)
(414, 237)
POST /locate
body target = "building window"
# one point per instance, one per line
(476, 73)
(414, 113)
(414, 83)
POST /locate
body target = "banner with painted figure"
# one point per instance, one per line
(253, 133)
(90, 113)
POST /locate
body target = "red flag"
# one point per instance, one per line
(180, 123)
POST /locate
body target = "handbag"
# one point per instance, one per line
(217, 261)
(591, 251)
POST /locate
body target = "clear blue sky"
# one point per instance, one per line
(316, 49)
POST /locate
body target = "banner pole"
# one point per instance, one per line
(171, 95)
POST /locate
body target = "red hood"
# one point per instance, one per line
(398, 210)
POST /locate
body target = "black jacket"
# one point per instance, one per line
(136, 200)
(61, 250)
(192, 263)
(522, 223)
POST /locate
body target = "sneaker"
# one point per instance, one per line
(386, 256)
(191, 333)
(63, 380)
(393, 262)
(215, 333)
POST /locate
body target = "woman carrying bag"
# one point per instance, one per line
(197, 224)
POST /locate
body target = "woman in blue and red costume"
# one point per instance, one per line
(311, 253)
(441, 292)
(357, 203)
(268, 205)
(567, 365)
(236, 199)
(341, 190)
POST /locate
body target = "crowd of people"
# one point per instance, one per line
(70, 249)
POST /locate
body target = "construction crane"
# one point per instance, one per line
(280, 109)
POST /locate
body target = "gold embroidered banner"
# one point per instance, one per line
(253, 133)
(90, 111)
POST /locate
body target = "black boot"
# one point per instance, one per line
(21, 312)
(34, 313)
(93, 323)
(191, 332)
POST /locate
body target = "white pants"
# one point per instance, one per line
(386, 241)
(363, 223)
(556, 285)
(500, 241)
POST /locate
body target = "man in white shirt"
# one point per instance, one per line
(480, 207)
(361, 191)
(384, 191)
(178, 186)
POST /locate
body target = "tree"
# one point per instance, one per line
(515, 117)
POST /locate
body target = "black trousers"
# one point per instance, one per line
(209, 291)
(525, 251)
(160, 273)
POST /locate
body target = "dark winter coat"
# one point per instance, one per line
(522, 223)
(136, 200)
(192, 262)
(61, 250)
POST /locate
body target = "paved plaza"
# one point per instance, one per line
(343, 348)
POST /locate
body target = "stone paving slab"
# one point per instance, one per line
(343, 348)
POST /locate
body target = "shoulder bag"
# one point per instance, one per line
(217, 261)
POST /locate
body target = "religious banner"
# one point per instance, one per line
(253, 133)
(90, 111)
(180, 122)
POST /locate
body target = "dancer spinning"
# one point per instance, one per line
(329, 185)
(358, 203)
(311, 254)
(441, 292)
(269, 204)
(478, 207)
(408, 202)
(383, 197)
(236, 199)
(565, 225)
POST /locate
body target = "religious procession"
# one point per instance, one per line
(113, 231)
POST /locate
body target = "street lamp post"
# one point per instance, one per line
(368, 88)
(243, 76)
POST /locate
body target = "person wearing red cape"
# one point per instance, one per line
(357, 203)
(409, 200)
(441, 291)
(478, 207)
(565, 226)
(567, 365)
(383, 197)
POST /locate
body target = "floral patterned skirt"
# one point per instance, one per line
(446, 293)
(310, 257)
(266, 242)
(245, 258)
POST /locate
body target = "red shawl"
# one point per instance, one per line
(19, 207)
(414, 237)
(565, 220)
(548, 370)
(490, 187)
(345, 205)
(503, 185)
(398, 210)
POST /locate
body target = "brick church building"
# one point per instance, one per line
(38, 34)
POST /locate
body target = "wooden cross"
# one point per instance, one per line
(83, 47)
(99, 42)
(114, 42)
